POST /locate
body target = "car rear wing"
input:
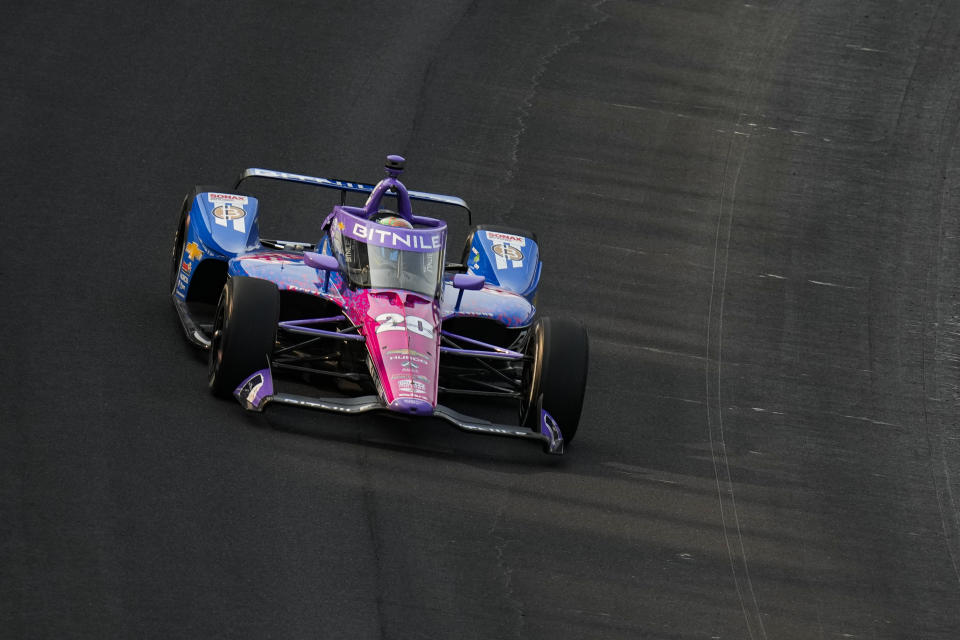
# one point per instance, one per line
(344, 186)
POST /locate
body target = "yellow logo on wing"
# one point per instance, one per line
(194, 251)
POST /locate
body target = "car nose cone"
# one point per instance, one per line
(411, 406)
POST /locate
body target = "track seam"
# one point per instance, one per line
(429, 72)
(372, 525)
(526, 105)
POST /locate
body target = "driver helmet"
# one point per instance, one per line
(390, 219)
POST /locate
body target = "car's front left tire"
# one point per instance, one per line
(244, 332)
(555, 374)
(176, 254)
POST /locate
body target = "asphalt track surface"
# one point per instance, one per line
(752, 206)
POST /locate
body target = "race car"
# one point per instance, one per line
(371, 317)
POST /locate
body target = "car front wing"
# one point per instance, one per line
(257, 391)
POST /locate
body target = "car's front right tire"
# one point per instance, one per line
(244, 332)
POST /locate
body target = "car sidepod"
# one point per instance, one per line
(507, 258)
(217, 226)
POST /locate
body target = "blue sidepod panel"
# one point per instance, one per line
(228, 223)
(508, 261)
(219, 226)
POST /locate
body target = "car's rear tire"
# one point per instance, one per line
(244, 332)
(558, 353)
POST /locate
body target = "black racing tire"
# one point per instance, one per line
(176, 255)
(244, 332)
(558, 353)
(493, 227)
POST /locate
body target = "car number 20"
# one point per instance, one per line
(396, 322)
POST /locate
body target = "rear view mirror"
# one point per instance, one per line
(468, 281)
(320, 261)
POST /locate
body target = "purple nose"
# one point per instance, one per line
(412, 406)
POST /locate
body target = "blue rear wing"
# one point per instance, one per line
(344, 186)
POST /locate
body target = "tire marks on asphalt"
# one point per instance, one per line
(738, 144)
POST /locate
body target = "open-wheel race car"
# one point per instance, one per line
(371, 316)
